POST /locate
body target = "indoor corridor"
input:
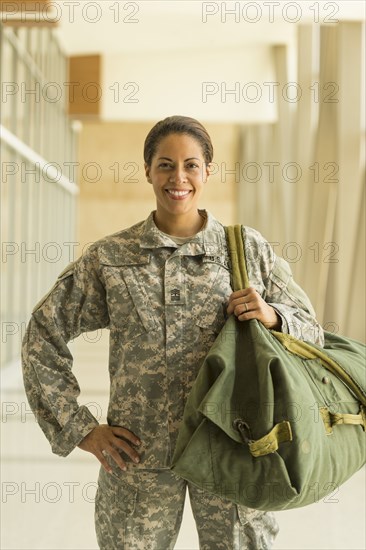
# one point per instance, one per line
(280, 88)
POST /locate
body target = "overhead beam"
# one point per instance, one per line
(27, 13)
(16, 7)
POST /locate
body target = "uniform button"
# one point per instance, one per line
(325, 380)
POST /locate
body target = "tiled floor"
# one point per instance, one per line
(47, 501)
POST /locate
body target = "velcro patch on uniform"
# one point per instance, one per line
(175, 295)
(222, 260)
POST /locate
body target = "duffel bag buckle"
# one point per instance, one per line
(242, 427)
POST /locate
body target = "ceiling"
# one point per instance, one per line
(109, 27)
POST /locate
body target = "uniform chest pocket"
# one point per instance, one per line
(210, 312)
(130, 310)
(212, 317)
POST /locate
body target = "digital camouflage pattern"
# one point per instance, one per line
(143, 509)
(164, 305)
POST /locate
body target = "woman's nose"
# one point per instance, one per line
(178, 175)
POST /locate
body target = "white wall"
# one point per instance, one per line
(166, 82)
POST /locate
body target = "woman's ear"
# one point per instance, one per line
(147, 172)
(208, 168)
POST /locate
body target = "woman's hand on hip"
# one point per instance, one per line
(248, 304)
(107, 439)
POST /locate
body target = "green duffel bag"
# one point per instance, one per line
(273, 422)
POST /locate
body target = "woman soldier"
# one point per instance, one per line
(162, 287)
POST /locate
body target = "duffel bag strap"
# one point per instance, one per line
(239, 274)
(335, 419)
(267, 444)
(306, 350)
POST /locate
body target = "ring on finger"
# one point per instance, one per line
(246, 307)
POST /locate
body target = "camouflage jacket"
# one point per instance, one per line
(164, 305)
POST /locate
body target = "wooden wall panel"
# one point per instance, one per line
(27, 13)
(85, 74)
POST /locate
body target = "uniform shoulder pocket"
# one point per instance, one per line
(281, 273)
(67, 272)
(281, 276)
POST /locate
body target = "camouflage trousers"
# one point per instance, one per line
(142, 510)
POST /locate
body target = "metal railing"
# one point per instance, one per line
(38, 187)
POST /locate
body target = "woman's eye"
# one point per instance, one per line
(191, 165)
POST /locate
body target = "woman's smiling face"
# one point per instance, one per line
(177, 173)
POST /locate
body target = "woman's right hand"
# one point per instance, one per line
(104, 439)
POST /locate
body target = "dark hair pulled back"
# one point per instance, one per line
(177, 125)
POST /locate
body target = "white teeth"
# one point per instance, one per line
(178, 193)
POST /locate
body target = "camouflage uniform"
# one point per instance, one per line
(164, 305)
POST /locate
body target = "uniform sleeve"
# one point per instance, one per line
(280, 290)
(75, 304)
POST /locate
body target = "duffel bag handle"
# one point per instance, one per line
(239, 274)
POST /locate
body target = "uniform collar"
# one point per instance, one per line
(208, 240)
